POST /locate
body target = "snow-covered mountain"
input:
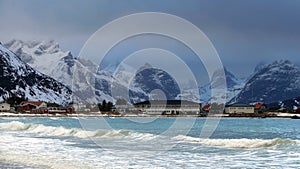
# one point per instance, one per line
(269, 83)
(91, 86)
(155, 84)
(46, 57)
(234, 86)
(274, 82)
(18, 78)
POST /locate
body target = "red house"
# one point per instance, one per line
(259, 107)
(206, 108)
(26, 106)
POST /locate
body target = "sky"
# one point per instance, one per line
(243, 32)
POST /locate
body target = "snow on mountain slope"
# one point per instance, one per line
(143, 83)
(155, 84)
(20, 79)
(90, 86)
(234, 86)
(274, 82)
(43, 56)
(49, 59)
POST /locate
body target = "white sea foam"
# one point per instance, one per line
(239, 143)
(37, 152)
(58, 154)
(74, 132)
(18, 145)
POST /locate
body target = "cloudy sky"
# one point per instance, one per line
(244, 32)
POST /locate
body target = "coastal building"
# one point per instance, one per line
(80, 107)
(53, 110)
(206, 108)
(26, 106)
(297, 110)
(4, 107)
(260, 107)
(239, 109)
(168, 107)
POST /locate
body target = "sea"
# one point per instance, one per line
(148, 142)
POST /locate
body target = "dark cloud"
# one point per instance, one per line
(243, 32)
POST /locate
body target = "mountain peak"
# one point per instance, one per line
(150, 79)
(40, 47)
(276, 81)
(145, 66)
(40, 54)
(223, 75)
(281, 63)
(260, 66)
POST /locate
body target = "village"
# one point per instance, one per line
(164, 108)
(188, 108)
(35, 107)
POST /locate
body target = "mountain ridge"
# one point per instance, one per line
(262, 85)
(273, 82)
(86, 79)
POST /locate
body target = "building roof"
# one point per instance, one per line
(258, 105)
(37, 103)
(239, 105)
(207, 106)
(168, 102)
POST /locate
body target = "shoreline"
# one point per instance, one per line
(94, 115)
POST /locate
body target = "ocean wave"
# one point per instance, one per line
(239, 143)
(74, 132)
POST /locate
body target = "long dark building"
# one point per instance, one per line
(165, 107)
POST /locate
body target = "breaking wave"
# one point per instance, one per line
(74, 132)
(119, 134)
(239, 143)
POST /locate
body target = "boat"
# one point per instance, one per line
(295, 117)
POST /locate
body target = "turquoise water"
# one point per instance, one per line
(149, 143)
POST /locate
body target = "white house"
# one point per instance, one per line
(164, 107)
(239, 109)
(4, 107)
